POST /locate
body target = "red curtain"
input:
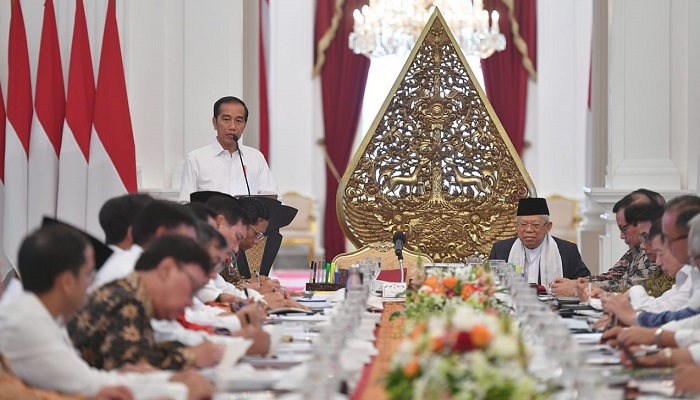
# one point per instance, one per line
(505, 77)
(343, 78)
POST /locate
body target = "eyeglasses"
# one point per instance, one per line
(534, 225)
(670, 241)
(193, 281)
(258, 235)
(643, 237)
(624, 228)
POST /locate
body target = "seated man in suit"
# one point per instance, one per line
(542, 256)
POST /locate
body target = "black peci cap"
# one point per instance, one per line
(532, 206)
(102, 251)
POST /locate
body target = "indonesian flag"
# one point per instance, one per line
(263, 69)
(47, 126)
(75, 146)
(112, 167)
(6, 266)
(19, 122)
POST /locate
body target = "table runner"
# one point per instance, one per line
(371, 385)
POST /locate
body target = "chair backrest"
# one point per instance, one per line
(254, 256)
(385, 251)
(563, 213)
(305, 218)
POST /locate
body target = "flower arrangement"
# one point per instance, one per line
(459, 345)
(466, 355)
(443, 290)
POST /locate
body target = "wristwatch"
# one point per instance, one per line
(657, 337)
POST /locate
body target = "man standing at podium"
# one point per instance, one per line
(542, 256)
(226, 165)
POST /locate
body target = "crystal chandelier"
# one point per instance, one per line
(393, 26)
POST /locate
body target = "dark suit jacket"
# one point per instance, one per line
(571, 263)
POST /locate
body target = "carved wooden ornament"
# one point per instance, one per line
(436, 163)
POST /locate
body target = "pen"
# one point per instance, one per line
(245, 290)
(311, 271)
(646, 352)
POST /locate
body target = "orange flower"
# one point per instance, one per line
(481, 335)
(411, 369)
(417, 331)
(467, 290)
(450, 282)
(432, 281)
(436, 344)
(438, 289)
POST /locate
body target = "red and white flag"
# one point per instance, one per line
(6, 266)
(75, 145)
(47, 126)
(112, 167)
(263, 69)
(19, 122)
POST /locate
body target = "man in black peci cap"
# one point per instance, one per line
(542, 256)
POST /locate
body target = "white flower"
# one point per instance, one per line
(425, 289)
(504, 347)
(437, 327)
(464, 318)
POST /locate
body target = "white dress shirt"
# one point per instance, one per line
(687, 287)
(41, 354)
(218, 285)
(695, 353)
(213, 168)
(117, 266)
(532, 260)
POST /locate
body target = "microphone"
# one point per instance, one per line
(240, 156)
(399, 240)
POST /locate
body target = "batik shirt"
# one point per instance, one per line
(634, 268)
(114, 328)
(658, 283)
(231, 274)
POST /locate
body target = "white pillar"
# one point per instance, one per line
(651, 83)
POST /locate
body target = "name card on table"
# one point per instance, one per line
(394, 289)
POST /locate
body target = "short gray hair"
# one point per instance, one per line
(694, 236)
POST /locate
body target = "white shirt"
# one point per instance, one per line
(687, 285)
(41, 355)
(532, 259)
(214, 168)
(117, 266)
(12, 292)
(218, 285)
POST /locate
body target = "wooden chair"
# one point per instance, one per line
(385, 251)
(302, 230)
(563, 213)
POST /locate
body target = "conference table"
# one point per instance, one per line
(389, 335)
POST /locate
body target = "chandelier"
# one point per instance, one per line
(392, 26)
